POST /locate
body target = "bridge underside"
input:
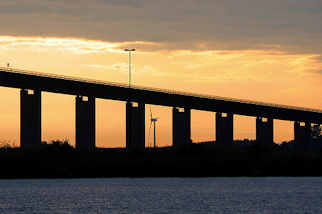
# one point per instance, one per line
(135, 125)
(105, 90)
(135, 115)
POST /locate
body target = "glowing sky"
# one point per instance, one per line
(263, 51)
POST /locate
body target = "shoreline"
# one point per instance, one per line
(199, 161)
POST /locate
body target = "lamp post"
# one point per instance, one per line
(129, 107)
(130, 51)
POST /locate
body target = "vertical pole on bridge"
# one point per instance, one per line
(224, 128)
(30, 119)
(85, 124)
(135, 127)
(181, 128)
(302, 135)
(264, 131)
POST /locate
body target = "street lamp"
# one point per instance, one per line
(129, 105)
(130, 51)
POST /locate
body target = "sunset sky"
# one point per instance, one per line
(269, 51)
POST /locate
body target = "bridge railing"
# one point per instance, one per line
(152, 89)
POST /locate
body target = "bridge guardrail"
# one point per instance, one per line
(41, 74)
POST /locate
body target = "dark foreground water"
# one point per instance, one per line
(162, 195)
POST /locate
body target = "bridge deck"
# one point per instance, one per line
(108, 90)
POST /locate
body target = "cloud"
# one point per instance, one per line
(317, 71)
(75, 45)
(43, 44)
(199, 65)
(289, 25)
(318, 59)
(120, 67)
(124, 3)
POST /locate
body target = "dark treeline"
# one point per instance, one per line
(243, 158)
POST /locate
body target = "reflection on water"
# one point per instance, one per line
(162, 195)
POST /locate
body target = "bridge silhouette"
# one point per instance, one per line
(86, 90)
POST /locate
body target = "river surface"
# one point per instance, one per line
(162, 195)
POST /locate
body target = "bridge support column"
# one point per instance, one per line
(135, 127)
(224, 128)
(85, 124)
(30, 119)
(302, 135)
(181, 127)
(264, 131)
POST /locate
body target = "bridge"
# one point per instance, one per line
(85, 92)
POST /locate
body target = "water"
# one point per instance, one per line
(162, 195)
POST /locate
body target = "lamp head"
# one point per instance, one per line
(133, 49)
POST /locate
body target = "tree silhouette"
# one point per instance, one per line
(316, 132)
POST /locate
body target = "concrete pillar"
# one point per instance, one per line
(302, 134)
(135, 127)
(30, 119)
(264, 131)
(85, 124)
(224, 128)
(181, 127)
